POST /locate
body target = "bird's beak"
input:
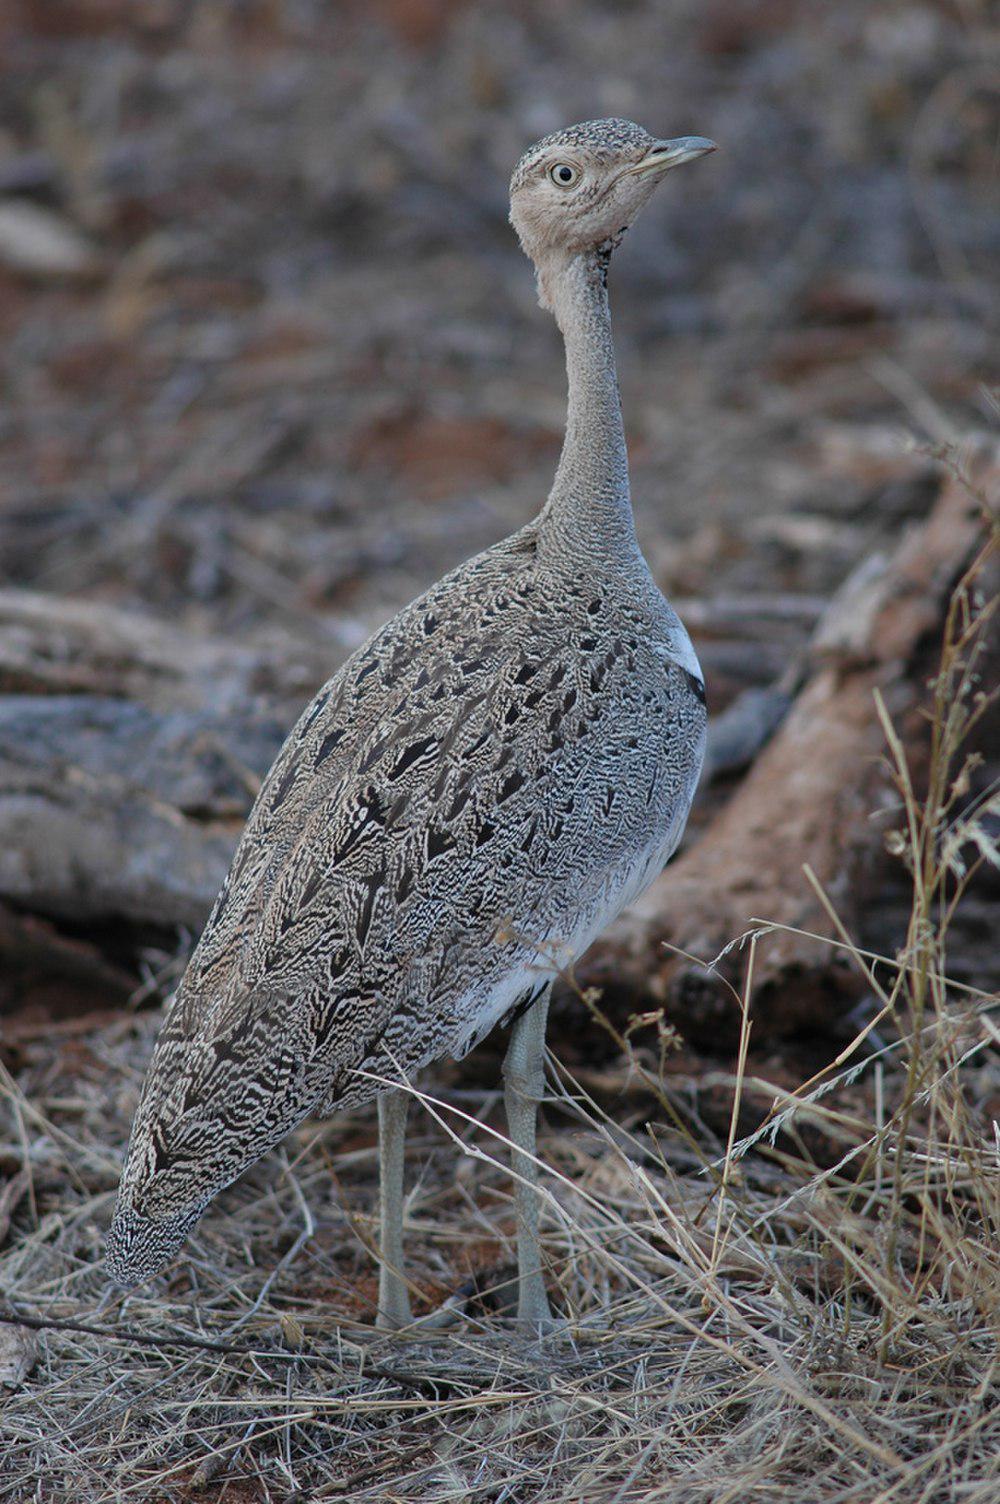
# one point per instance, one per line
(663, 155)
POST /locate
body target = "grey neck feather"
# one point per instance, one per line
(589, 509)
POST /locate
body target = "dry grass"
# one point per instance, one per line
(810, 1313)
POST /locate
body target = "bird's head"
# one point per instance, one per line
(576, 192)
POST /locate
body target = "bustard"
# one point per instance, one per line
(458, 812)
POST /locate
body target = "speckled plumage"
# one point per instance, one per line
(463, 807)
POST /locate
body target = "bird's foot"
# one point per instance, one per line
(393, 1302)
(534, 1314)
(520, 1300)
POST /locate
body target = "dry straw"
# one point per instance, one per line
(809, 1312)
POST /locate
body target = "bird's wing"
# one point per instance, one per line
(428, 801)
(464, 804)
(392, 766)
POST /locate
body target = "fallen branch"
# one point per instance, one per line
(151, 1340)
(130, 753)
(809, 799)
(51, 646)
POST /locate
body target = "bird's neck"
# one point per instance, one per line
(589, 508)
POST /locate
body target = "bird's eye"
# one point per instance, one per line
(563, 175)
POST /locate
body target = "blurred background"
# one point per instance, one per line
(271, 357)
(272, 362)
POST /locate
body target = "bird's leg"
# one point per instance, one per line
(524, 1085)
(393, 1297)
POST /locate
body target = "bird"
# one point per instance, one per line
(457, 814)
